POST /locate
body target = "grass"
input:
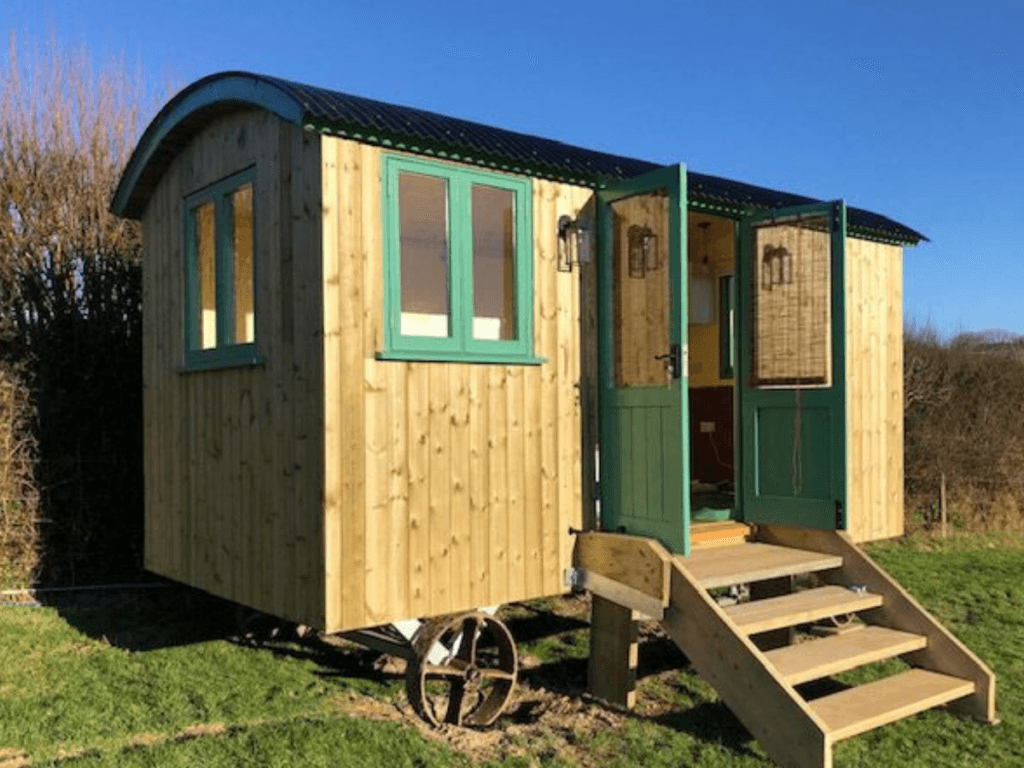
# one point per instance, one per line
(151, 685)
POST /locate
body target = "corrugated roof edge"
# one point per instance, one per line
(432, 134)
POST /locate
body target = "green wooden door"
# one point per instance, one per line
(791, 378)
(644, 450)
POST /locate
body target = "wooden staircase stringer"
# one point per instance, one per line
(944, 652)
(771, 709)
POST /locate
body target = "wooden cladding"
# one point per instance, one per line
(448, 486)
(874, 394)
(232, 457)
(324, 485)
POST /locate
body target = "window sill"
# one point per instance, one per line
(222, 357)
(435, 356)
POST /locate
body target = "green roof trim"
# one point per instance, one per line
(431, 134)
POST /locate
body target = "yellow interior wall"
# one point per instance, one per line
(721, 253)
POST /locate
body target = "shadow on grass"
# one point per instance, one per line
(145, 620)
(136, 619)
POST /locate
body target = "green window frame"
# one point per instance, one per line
(726, 327)
(457, 339)
(218, 346)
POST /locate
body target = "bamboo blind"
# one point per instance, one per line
(792, 304)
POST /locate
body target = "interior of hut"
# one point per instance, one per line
(711, 262)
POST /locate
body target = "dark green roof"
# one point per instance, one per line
(429, 133)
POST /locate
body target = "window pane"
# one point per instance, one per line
(241, 222)
(205, 333)
(423, 244)
(642, 294)
(494, 286)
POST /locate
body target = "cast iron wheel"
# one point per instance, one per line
(472, 674)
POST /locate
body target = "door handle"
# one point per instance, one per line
(674, 360)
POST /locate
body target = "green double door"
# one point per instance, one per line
(644, 454)
(790, 366)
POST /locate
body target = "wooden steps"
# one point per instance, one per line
(759, 685)
(726, 566)
(799, 608)
(869, 706)
(725, 533)
(828, 656)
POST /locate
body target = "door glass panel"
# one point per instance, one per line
(423, 244)
(641, 299)
(494, 268)
(792, 313)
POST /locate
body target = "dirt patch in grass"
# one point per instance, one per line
(200, 730)
(11, 757)
(538, 723)
(550, 713)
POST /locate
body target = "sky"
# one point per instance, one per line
(913, 109)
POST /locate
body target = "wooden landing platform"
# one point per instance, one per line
(752, 561)
(723, 533)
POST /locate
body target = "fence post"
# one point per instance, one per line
(942, 504)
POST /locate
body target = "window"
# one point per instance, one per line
(458, 264)
(726, 329)
(220, 271)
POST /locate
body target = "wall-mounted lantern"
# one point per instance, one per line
(776, 266)
(643, 250)
(702, 287)
(574, 242)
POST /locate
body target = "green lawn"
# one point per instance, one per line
(161, 683)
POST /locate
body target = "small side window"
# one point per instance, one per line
(220, 275)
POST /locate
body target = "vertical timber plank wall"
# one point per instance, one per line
(448, 486)
(874, 343)
(232, 465)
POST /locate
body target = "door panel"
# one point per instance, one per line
(791, 367)
(644, 466)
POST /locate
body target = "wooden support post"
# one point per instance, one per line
(611, 673)
(762, 590)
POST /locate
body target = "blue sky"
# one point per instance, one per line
(911, 109)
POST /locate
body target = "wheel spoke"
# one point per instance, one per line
(458, 693)
(443, 670)
(497, 674)
(470, 633)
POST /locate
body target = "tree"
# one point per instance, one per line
(70, 295)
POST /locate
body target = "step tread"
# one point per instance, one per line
(799, 608)
(831, 655)
(869, 706)
(752, 561)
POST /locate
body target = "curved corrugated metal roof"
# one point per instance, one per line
(429, 133)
